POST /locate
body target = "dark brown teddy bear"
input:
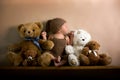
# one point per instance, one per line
(91, 50)
(28, 51)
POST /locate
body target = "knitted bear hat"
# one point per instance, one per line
(53, 25)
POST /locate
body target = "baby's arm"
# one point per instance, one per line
(69, 38)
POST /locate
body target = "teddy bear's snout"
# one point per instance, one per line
(83, 39)
(30, 57)
(28, 31)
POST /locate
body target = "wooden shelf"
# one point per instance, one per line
(50, 72)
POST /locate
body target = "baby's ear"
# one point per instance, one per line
(40, 25)
(19, 27)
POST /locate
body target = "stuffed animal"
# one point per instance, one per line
(80, 39)
(28, 51)
(91, 50)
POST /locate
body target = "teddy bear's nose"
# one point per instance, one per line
(28, 31)
(83, 39)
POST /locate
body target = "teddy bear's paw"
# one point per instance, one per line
(48, 45)
(11, 49)
(14, 58)
(45, 59)
(105, 59)
(84, 60)
(69, 49)
(25, 62)
(11, 56)
(73, 61)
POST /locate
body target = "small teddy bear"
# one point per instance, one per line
(91, 50)
(80, 39)
(28, 51)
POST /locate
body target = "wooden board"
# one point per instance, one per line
(82, 72)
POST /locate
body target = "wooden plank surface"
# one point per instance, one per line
(95, 72)
(58, 68)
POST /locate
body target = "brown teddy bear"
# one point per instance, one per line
(28, 51)
(91, 50)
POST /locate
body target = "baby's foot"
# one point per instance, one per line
(58, 59)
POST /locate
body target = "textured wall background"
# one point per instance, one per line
(99, 17)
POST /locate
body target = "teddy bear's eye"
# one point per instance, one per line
(78, 32)
(24, 31)
(33, 30)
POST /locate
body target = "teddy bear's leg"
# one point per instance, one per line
(27, 62)
(10, 56)
(104, 59)
(84, 60)
(45, 59)
(73, 60)
(14, 58)
(93, 59)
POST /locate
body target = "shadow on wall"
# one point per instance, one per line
(10, 38)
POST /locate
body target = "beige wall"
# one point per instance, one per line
(100, 17)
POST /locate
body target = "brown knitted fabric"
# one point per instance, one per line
(59, 48)
(53, 25)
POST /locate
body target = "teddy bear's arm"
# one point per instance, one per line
(46, 44)
(69, 49)
(14, 47)
(85, 51)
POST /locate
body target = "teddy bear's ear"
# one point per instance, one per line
(39, 24)
(98, 45)
(19, 26)
(78, 32)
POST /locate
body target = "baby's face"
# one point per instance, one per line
(64, 28)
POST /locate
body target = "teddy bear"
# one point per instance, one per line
(28, 51)
(80, 39)
(91, 50)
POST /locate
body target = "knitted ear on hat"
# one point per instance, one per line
(48, 27)
(53, 25)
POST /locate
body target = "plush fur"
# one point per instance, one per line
(80, 39)
(72, 59)
(45, 59)
(28, 51)
(91, 50)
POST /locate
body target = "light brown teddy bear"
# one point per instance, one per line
(91, 50)
(28, 52)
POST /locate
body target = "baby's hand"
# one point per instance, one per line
(44, 35)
